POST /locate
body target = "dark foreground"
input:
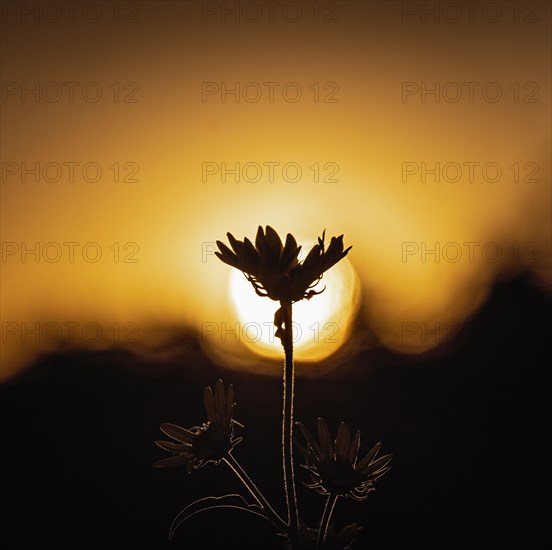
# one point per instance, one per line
(467, 427)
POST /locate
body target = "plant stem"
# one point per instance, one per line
(325, 521)
(287, 428)
(235, 466)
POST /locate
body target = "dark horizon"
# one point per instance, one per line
(466, 427)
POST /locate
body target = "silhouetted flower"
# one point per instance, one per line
(211, 441)
(334, 467)
(273, 268)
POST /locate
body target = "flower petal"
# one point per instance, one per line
(237, 246)
(300, 443)
(380, 472)
(260, 243)
(353, 449)
(227, 256)
(373, 467)
(220, 402)
(178, 460)
(251, 257)
(342, 442)
(309, 439)
(336, 246)
(209, 402)
(239, 261)
(334, 254)
(326, 447)
(312, 259)
(321, 239)
(225, 251)
(274, 244)
(178, 433)
(288, 260)
(174, 447)
(370, 456)
(289, 253)
(229, 409)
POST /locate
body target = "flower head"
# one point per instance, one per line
(334, 466)
(211, 441)
(273, 268)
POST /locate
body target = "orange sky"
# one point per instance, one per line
(365, 134)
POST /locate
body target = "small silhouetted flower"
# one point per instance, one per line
(274, 269)
(334, 466)
(211, 441)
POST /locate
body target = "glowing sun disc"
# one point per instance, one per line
(320, 325)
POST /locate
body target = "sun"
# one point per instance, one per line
(320, 325)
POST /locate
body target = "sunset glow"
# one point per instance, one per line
(321, 325)
(111, 208)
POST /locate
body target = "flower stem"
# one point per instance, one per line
(287, 427)
(325, 521)
(235, 466)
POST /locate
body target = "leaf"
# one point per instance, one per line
(349, 534)
(233, 501)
